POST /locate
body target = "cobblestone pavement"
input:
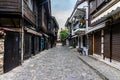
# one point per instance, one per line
(108, 71)
(59, 63)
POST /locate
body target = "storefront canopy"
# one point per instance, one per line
(80, 31)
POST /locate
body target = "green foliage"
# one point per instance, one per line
(63, 34)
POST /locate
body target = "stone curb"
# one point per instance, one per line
(95, 70)
(104, 62)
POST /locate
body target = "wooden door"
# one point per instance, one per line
(12, 57)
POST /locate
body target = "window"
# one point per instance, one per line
(30, 4)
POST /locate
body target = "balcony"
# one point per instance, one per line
(79, 22)
(13, 6)
(79, 30)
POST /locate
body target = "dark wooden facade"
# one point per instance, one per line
(43, 19)
(111, 28)
(12, 6)
(29, 14)
(53, 31)
(96, 5)
(13, 21)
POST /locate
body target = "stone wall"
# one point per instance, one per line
(1, 55)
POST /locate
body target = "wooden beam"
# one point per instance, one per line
(11, 29)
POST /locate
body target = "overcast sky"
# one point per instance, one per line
(62, 9)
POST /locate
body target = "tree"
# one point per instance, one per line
(63, 35)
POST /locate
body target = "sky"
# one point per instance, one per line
(62, 9)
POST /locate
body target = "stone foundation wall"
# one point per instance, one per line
(1, 55)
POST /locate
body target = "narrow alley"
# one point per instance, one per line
(58, 63)
(59, 39)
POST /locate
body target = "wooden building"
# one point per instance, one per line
(54, 31)
(22, 24)
(104, 28)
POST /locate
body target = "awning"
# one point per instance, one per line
(110, 9)
(80, 31)
(33, 32)
(99, 26)
(11, 29)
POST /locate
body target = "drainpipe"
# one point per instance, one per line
(22, 33)
(86, 14)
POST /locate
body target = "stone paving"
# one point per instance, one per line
(59, 63)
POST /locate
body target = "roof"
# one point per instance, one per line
(108, 10)
(108, 13)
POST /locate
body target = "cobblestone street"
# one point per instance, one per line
(59, 63)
